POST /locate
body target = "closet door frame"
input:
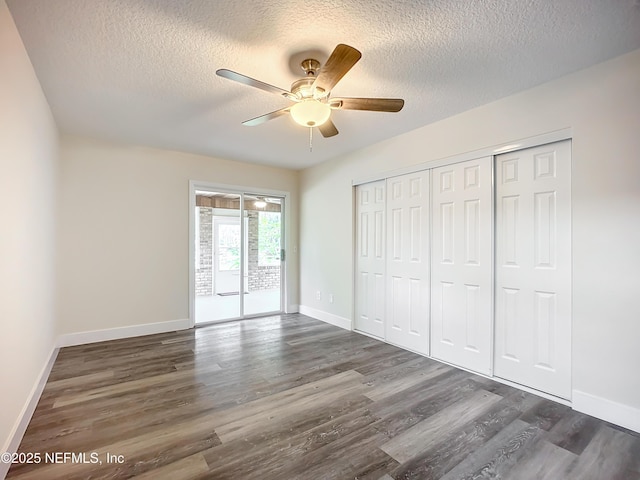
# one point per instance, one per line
(493, 151)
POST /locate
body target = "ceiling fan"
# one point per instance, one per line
(311, 94)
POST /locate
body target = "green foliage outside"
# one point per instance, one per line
(269, 238)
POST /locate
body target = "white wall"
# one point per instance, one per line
(28, 163)
(124, 230)
(602, 106)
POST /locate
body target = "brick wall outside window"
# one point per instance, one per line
(204, 267)
(260, 277)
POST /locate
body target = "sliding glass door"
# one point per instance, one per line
(238, 264)
(264, 262)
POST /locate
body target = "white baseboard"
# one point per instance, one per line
(293, 308)
(82, 338)
(326, 317)
(608, 410)
(30, 405)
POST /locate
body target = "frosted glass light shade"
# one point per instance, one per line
(310, 113)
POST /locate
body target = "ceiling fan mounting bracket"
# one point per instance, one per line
(310, 66)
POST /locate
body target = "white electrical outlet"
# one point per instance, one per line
(331, 298)
(318, 295)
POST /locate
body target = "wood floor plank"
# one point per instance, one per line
(455, 445)
(279, 410)
(83, 381)
(402, 411)
(387, 387)
(574, 431)
(423, 435)
(498, 455)
(543, 461)
(90, 432)
(389, 359)
(270, 456)
(610, 454)
(183, 469)
(228, 419)
(349, 457)
(141, 453)
(545, 414)
(289, 397)
(120, 388)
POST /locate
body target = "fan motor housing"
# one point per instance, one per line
(303, 88)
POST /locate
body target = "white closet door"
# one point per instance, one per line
(370, 258)
(407, 318)
(461, 265)
(533, 268)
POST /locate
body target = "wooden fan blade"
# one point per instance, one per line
(338, 64)
(370, 104)
(252, 82)
(264, 118)
(328, 129)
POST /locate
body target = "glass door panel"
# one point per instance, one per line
(263, 254)
(218, 256)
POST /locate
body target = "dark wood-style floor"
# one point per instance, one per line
(289, 397)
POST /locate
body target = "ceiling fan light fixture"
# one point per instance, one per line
(310, 113)
(312, 94)
(260, 203)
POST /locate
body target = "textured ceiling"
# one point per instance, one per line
(143, 71)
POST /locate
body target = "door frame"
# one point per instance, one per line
(195, 185)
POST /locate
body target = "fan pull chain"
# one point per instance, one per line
(310, 139)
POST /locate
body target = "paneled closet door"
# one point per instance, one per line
(407, 317)
(533, 268)
(370, 258)
(461, 265)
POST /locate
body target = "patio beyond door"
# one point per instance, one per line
(226, 255)
(238, 264)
